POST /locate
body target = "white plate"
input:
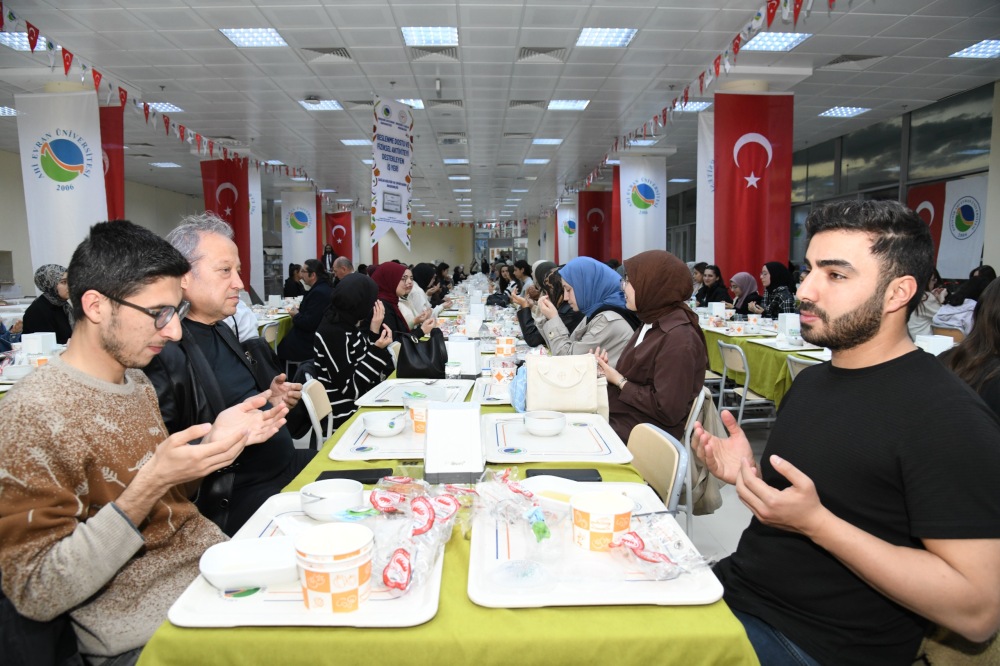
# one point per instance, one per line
(357, 444)
(488, 392)
(784, 346)
(508, 570)
(586, 438)
(390, 393)
(202, 605)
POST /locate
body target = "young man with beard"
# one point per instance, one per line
(93, 520)
(875, 507)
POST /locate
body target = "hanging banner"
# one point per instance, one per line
(753, 180)
(644, 204)
(391, 187)
(566, 247)
(60, 138)
(341, 227)
(927, 201)
(113, 156)
(595, 221)
(704, 247)
(226, 186)
(962, 233)
(298, 226)
(256, 225)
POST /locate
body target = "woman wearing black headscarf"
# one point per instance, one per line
(352, 358)
(51, 311)
(778, 286)
(662, 369)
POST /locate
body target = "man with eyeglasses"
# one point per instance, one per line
(94, 520)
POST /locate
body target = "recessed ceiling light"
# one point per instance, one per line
(165, 107)
(345, 200)
(533, 160)
(606, 37)
(456, 160)
(568, 104)
(642, 142)
(415, 103)
(356, 142)
(988, 48)
(692, 107)
(506, 212)
(368, 162)
(775, 41)
(513, 199)
(430, 36)
(462, 190)
(465, 205)
(679, 180)
(328, 191)
(844, 112)
(19, 41)
(7, 111)
(613, 162)
(466, 214)
(321, 105)
(459, 177)
(546, 142)
(298, 179)
(254, 38)
(427, 215)
(165, 165)
(463, 199)
(527, 177)
(274, 162)
(518, 191)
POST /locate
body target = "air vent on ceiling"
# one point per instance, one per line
(517, 135)
(434, 53)
(507, 166)
(436, 103)
(541, 54)
(320, 54)
(452, 139)
(359, 104)
(528, 103)
(852, 62)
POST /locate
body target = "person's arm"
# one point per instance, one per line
(609, 334)
(954, 583)
(314, 305)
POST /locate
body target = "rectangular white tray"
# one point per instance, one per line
(488, 392)
(722, 330)
(821, 355)
(357, 444)
(586, 438)
(506, 569)
(784, 346)
(390, 392)
(202, 605)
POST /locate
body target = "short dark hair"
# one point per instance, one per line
(118, 259)
(701, 266)
(901, 240)
(314, 266)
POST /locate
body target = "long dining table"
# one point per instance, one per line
(463, 632)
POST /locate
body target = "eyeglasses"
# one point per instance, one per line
(624, 282)
(161, 316)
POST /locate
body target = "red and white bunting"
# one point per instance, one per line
(32, 36)
(67, 61)
(772, 9)
(122, 96)
(97, 80)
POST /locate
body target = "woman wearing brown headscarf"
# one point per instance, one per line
(662, 369)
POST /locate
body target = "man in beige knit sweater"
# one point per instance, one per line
(93, 517)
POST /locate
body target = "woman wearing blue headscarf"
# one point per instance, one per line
(594, 289)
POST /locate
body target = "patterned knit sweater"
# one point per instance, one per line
(69, 445)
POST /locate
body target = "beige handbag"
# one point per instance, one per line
(566, 384)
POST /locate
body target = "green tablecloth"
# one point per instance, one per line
(464, 633)
(284, 326)
(768, 369)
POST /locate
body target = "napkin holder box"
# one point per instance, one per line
(934, 344)
(274, 301)
(453, 449)
(788, 325)
(467, 353)
(38, 343)
(717, 309)
(477, 311)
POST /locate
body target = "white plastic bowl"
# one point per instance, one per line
(544, 424)
(324, 500)
(384, 425)
(244, 563)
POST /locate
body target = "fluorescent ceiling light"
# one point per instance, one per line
(466, 215)
(606, 37)
(506, 212)
(513, 199)
(459, 177)
(462, 190)
(692, 107)
(430, 36)
(345, 200)
(465, 205)
(252, 38)
(568, 104)
(415, 103)
(642, 142)
(368, 162)
(165, 107)
(988, 48)
(298, 179)
(463, 199)
(19, 41)
(356, 142)
(533, 160)
(274, 162)
(527, 177)
(679, 180)
(844, 112)
(328, 191)
(165, 165)
(613, 162)
(7, 111)
(321, 105)
(546, 142)
(427, 215)
(518, 191)
(775, 41)
(456, 160)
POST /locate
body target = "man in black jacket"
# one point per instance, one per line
(208, 370)
(298, 344)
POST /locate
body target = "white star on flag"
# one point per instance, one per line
(751, 180)
(228, 211)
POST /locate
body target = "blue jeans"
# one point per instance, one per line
(772, 647)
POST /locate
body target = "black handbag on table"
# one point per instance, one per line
(422, 359)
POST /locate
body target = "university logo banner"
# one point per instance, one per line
(298, 226)
(595, 223)
(644, 204)
(392, 147)
(753, 180)
(705, 215)
(341, 229)
(226, 186)
(62, 169)
(566, 229)
(962, 227)
(113, 157)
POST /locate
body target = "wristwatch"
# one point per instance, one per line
(622, 383)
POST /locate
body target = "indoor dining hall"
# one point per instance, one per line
(480, 332)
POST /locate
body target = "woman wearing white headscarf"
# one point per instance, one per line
(51, 311)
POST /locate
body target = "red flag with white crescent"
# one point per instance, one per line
(718, 64)
(701, 83)
(32, 36)
(226, 186)
(166, 124)
(113, 149)
(772, 9)
(145, 111)
(122, 96)
(927, 201)
(211, 148)
(594, 229)
(182, 131)
(97, 79)
(796, 8)
(67, 61)
(737, 41)
(1, 16)
(753, 176)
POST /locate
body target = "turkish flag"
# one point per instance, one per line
(753, 180)
(340, 226)
(595, 224)
(927, 201)
(227, 194)
(113, 149)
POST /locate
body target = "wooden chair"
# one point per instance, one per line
(735, 360)
(661, 460)
(318, 407)
(270, 334)
(952, 333)
(797, 364)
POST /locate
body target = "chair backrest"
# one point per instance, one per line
(394, 349)
(733, 357)
(696, 406)
(318, 407)
(660, 459)
(270, 334)
(952, 333)
(797, 364)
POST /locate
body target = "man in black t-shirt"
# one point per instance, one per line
(875, 510)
